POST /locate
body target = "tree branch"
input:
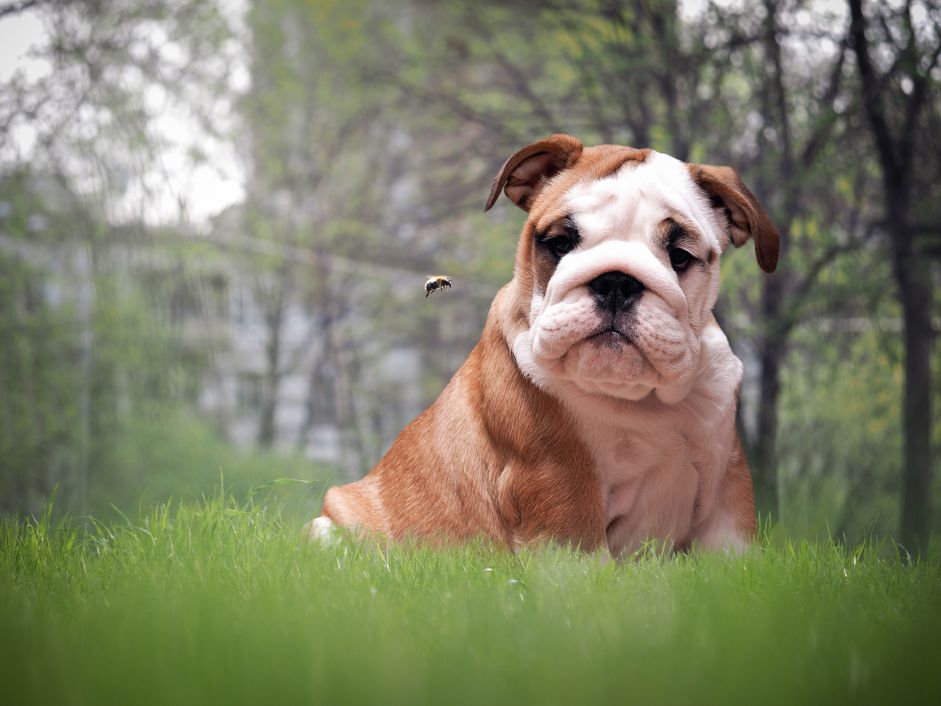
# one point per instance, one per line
(872, 95)
(916, 100)
(821, 133)
(15, 8)
(518, 77)
(780, 92)
(809, 280)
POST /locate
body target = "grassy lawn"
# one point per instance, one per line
(219, 603)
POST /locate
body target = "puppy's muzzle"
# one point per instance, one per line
(615, 292)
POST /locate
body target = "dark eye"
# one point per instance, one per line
(559, 245)
(680, 259)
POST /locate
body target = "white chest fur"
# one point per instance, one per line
(659, 465)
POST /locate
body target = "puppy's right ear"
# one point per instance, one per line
(526, 171)
(746, 217)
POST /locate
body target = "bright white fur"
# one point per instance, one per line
(321, 529)
(658, 413)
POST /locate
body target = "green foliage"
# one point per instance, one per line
(171, 453)
(95, 388)
(225, 602)
(841, 439)
(39, 384)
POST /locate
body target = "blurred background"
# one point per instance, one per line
(216, 219)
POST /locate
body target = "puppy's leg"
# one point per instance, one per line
(731, 527)
(355, 506)
(321, 530)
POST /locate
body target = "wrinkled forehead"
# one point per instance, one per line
(638, 193)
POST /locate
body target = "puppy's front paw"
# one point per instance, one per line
(321, 530)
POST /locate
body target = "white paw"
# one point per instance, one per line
(321, 530)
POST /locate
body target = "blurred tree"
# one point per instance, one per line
(78, 145)
(40, 440)
(897, 59)
(323, 157)
(792, 134)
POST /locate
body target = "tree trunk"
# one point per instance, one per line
(770, 360)
(915, 293)
(896, 156)
(274, 320)
(772, 344)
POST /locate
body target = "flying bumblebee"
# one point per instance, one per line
(436, 282)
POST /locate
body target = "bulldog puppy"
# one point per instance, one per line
(598, 408)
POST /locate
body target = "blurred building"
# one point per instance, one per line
(254, 355)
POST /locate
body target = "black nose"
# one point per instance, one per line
(615, 290)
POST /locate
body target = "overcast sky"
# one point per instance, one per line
(206, 189)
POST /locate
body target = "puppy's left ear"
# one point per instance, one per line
(527, 170)
(747, 219)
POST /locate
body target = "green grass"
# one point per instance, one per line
(169, 453)
(217, 602)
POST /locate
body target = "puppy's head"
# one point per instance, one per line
(617, 269)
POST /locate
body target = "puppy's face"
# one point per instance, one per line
(618, 267)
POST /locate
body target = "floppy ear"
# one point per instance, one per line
(747, 219)
(527, 170)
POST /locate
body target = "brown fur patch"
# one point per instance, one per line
(747, 217)
(493, 456)
(549, 208)
(544, 263)
(594, 163)
(737, 494)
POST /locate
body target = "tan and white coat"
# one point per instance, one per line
(570, 425)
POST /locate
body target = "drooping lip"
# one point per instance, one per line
(608, 333)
